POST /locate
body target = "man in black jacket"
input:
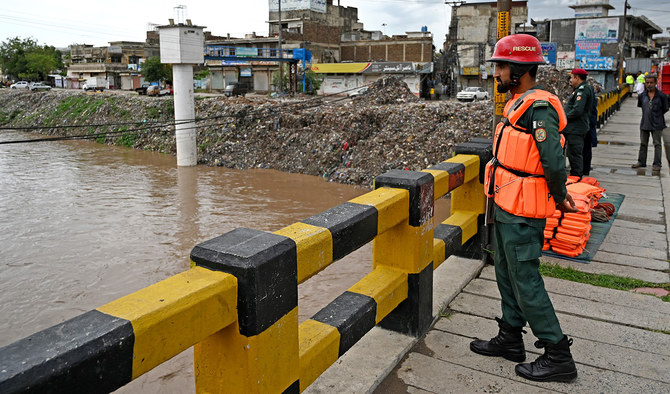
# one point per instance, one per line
(654, 104)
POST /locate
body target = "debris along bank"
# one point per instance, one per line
(348, 141)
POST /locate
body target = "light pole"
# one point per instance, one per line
(281, 67)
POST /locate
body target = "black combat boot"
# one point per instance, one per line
(508, 343)
(556, 364)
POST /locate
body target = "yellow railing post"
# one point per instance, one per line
(258, 354)
(408, 247)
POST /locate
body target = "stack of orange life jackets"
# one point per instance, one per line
(567, 233)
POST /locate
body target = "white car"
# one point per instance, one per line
(20, 85)
(40, 86)
(472, 93)
(359, 92)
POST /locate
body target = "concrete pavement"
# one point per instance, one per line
(621, 339)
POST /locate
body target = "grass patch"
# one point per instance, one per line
(7, 117)
(601, 280)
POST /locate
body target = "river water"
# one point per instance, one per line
(82, 224)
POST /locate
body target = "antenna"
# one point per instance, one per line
(180, 14)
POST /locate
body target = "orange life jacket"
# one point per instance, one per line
(515, 177)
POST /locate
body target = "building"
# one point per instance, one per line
(331, 33)
(119, 63)
(463, 58)
(593, 40)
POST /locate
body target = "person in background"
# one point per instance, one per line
(578, 111)
(654, 104)
(630, 81)
(591, 139)
(528, 165)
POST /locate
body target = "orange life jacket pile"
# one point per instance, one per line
(567, 233)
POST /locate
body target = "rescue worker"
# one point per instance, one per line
(640, 77)
(578, 112)
(526, 179)
(630, 81)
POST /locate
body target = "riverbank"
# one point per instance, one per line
(348, 141)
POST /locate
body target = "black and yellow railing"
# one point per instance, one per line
(610, 101)
(238, 304)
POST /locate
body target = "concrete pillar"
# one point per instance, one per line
(184, 115)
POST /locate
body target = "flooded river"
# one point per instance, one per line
(82, 224)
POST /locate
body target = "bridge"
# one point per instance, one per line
(237, 305)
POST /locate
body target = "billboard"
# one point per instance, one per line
(587, 48)
(597, 63)
(549, 52)
(295, 5)
(600, 30)
(565, 60)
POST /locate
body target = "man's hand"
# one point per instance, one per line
(568, 205)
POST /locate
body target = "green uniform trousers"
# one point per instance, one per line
(518, 247)
(574, 146)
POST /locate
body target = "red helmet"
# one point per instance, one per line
(518, 49)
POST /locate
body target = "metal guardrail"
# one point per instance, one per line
(610, 101)
(238, 304)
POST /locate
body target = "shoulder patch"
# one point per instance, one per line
(540, 134)
(581, 87)
(540, 123)
(540, 103)
(579, 97)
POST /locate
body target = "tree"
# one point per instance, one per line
(154, 71)
(24, 58)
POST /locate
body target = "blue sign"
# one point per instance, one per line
(549, 52)
(587, 49)
(596, 63)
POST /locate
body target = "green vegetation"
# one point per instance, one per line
(601, 280)
(6, 117)
(25, 59)
(127, 139)
(155, 71)
(445, 313)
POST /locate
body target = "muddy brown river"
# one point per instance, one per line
(82, 224)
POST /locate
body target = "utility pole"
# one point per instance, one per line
(451, 51)
(622, 41)
(281, 66)
(503, 30)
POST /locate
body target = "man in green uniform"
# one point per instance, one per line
(518, 239)
(578, 111)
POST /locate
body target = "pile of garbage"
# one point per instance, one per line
(348, 141)
(558, 82)
(387, 90)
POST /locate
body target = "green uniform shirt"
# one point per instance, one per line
(578, 110)
(630, 80)
(542, 115)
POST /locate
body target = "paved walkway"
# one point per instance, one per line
(621, 339)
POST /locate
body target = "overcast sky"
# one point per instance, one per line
(98, 22)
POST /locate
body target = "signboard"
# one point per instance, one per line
(391, 67)
(470, 71)
(549, 52)
(565, 60)
(600, 30)
(597, 63)
(245, 72)
(587, 49)
(244, 51)
(503, 24)
(295, 5)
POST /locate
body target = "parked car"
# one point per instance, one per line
(359, 92)
(142, 89)
(472, 93)
(39, 86)
(236, 89)
(20, 85)
(155, 90)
